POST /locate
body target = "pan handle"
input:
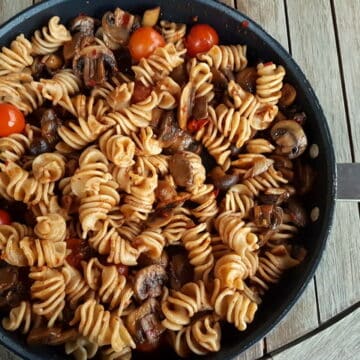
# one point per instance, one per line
(348, 182)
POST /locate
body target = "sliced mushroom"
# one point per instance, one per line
(288, 95)
(246, 78)
(289, 137)
(268, 216)
(297, 212)
(84, 24)
(180, 75)
(77, 43)
(93, 63)
(51, 336)
(144, 323)
(149, 281)
(221, 180)
(305, 177)
(167, 197)
(52, 62)
(274, 196)
(186, 104)
(40, 145)
(9, 276)
(116, 27)
(200, 109)
(283, 164)
(180, 270)
(187, 170)
(123, 60)
(145, 260)
(49, 123)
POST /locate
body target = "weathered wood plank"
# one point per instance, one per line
(339, 341)
(303, 317)
(8, 8)
(348, 28)
(229, 2)
(314, 47)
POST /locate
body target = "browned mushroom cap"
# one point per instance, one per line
(145, 260)
(117, 26)
(246, 78)
(148, 282)
(288, 95)
(268, 216)
(52, 62)
(9, 276)
(49, 124)
(78, 42)
(180, 270)
(144, 323)
(274, 196)
(200, 109)
(283, 164)
(289, 137)
(91, 63)
(186, 169)
(180, 75)
(297, 212)
(221, 180)
(84, 24)
(51, 336)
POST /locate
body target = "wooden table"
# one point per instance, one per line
(323, 37)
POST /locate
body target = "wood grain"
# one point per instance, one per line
(339, 341)
(228, 2)
(303, 316)
(348, 27)
(8, 8)
(314, 47)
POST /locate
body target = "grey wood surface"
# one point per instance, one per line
(323, 36)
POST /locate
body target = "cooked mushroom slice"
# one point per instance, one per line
(288, 95)
(246, 78)
(289, 137)
(92, 64)
(167, 197)
(78, 42)
(84, 24)
(49, 124)
(274, 196)
(200, 109)
(260, 165)
(283, 164)
(268, 216)
(116, 27)
(180, 75)
(180, 270)
(144, 323)
(52, 62)
(8, 277)
(50, 336)
(187, 170)
(221, 180)
(40, 145)
(145, 260)
(305, 177)
(296, 211)
(149, 281)
(186, 105)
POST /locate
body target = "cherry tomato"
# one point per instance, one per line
(201, 38)
(4, 218)
(141, 92)
(144, 41)
(76, 256)
(195, 125)
(11, 120)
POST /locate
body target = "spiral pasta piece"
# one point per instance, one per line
(259, 146)
(17, 57)
(197, 242)
(235, 307)
(110, 354)
(49, 289)
(207, 207)
(16, 183)
(272, 266)
(232, 269)
(48, 167)
(76, 289)
(239, 199)
(180, 306)
(158, 65)
(135, 116)
(13, 147)
(50, 38)
(235, 234)
(107, 241)
(173, 33)
(151, 242)
(13, 232)
(217, 145)
(226, 57)
(19, 316)
(51, 227)
(146, 144)
(101, 327)
(200, 76)
(178, 223)
(81, 348)
(201, 337)
(269, 82)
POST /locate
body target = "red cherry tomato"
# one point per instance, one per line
(195, 125)
(4, 218)
(201, 38)
(144, 41)
(11, 120)
(76, 256)
(141, 92)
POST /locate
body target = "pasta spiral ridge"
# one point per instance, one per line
(201, 337)
(81, 348)
(19, 316)
(17, 57)
(180, 306)
(173, 33)
(239, 199)
(50, 38)
(49, 288)
(51, 227)
(101, 327)
(197, 242)
(13, 147)
(151, 242)
(207, 207)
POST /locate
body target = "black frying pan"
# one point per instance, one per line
(261, 45)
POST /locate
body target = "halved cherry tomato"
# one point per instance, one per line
(12, 120)
(74, 259)
(141, 92)
(5, 218)
(201, 38)
(195, 125)
(144, 41)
